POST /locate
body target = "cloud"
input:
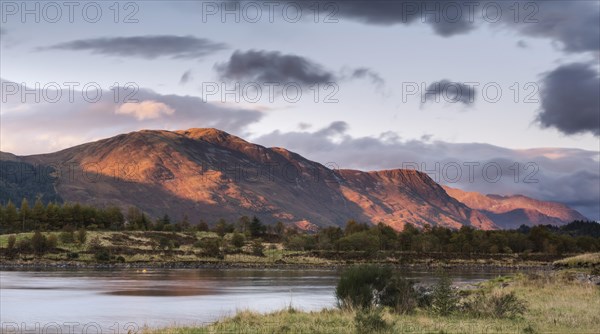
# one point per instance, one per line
(448, 91)
(147, 47)
(570, 99)
(272, 66)
(145, 110)
(367, 73)
(574, 24)
(26, 125)
(570, 176)
(185, 77)
(260, 66)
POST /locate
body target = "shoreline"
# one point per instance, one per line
(42, 265)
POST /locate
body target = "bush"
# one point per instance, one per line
(72, 255)
(12, 240)
(496, 305)
(370, 321)
(102, 255)
(38, 243)
(24, 245)
(51, 241)
(358, 286)
(399, 294)
(257, 248)
(238, 240)
(360, 241)
(67, 237)
(443, 298)
(212, 247)
(301, 243)
(81, 236)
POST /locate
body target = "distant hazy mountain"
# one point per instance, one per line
(209, 174)
(513, 211)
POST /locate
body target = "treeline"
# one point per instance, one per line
(578, 236)
(370, 239)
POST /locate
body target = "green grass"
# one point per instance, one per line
(554, 305)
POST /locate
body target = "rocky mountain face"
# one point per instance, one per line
(513, 211)
(209, 174)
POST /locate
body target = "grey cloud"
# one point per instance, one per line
(374, 77)
(570, 176)
(31, 127)
(448, 91)
(185, 77)
(570, 99)
(572, 23)
(272, 66)
(148, 47)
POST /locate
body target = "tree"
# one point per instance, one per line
(38, 213)
(202, 226)
(256, 227)
(444, 299)
(24, 213)
(279, 229)
(354, 227)
(11, 215)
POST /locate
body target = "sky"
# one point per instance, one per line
(498, 97)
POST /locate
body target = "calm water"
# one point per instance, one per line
(158, 298)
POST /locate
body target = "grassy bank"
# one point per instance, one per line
(555, 303)
(139, 248)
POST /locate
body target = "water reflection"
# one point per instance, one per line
(168, 297)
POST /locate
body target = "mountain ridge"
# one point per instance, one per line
(211, 174)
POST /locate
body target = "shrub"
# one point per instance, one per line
(496, 305)
(51, 241)
(24, 245)
(102, 255)
(38, 243)
(257, 248)
(67, 237)
(370, 321)
(360, 286)
(212, 247)
(399, 294)
(12, 240)
(72, 255)
(238, 240)
(301, 243)
(443, 298)
(81, 236)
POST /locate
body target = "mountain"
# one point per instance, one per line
(209, 174)
(513, 211)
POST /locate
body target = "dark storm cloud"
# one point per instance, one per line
(553, 175)
(272, 66)
(185, 77)
(570, 99)
(448, 91)
(148, 47)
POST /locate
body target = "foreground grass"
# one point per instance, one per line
(555, 304)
